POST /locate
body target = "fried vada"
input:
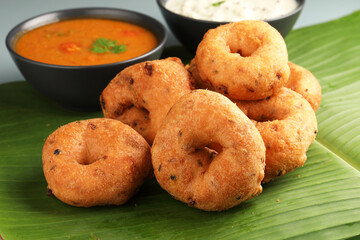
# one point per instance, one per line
(207, 153)
(95, 162)
(245, 60)
(288, 126)
(305, 83)
(142, 94)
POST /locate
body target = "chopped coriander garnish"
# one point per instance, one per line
(103, 45)
(118, 49)
(217, 3)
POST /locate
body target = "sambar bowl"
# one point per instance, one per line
(79, 87)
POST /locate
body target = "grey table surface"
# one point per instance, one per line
(13, 12)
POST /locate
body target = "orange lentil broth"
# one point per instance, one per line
(69, 42)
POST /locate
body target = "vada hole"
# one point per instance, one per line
(122, 108)
(211, 150)
(136, 117)
(240, 52)
(264, 118)
(244, 47)
(88, 159)
(269, 115)
(204, 156)
(214, 149)
(212, 153)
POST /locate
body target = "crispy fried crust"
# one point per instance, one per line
(95, 162)
(304, 82)
(199, 83)
(246, 60)
(207, 153)
(288, 126)
(142, 94)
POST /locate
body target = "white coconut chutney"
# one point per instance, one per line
(232, 10)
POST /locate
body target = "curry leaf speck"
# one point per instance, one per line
(217, 3)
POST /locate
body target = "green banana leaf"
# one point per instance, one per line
(320, 200)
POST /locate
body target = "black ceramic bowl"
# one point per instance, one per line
(190, 31)
(79, 87)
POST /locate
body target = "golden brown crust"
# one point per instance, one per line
(142, 94)
(199, 83)
(207, 153)
(95, 162)
(246, 60)
(304, 82)
(288, 126)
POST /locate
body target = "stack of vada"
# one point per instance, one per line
(211, 132)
